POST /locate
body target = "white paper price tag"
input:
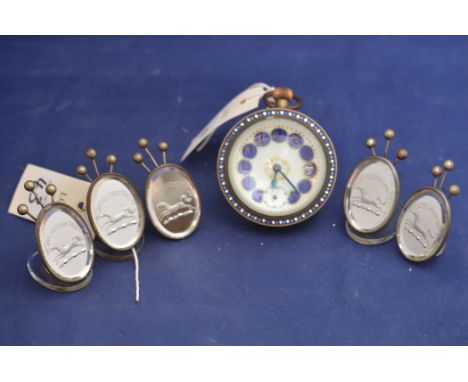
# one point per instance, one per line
(244, 102)
(71, 191)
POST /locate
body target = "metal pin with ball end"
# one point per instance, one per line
(24, 210)
(111, 160)
(449, 165)
(82, 171)
(163, 146)
(402, 154)
(436, 172)
(389, 134)
(91, 154)
(143, 143)
(370, 143)
(51, 190)
(30, 186)
(454, 190)
(138, 159)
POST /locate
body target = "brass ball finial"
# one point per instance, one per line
(51, 189)
(162, 146)
(81, 170)
(371, 142)
(402, 154)
(29, 185)
(91, 153)
(22, 209)
(137, 158)
(111, 159)
(282, 93)
(454, 190)
(389, 134)
(449, 165)
(437, 171)
(143, 143)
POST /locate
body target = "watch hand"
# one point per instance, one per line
(273, 181)
(290, 183)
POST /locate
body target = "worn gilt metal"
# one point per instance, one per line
(277, 167)
(425, 219)
(372, 195)
(171, 196)
(64, 244)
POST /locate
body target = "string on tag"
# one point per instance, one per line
(137, 278)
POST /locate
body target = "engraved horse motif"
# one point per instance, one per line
(63, 251)
(174, 211)
(366, 202)
(418, 230)
(366, 199)
(127, 212)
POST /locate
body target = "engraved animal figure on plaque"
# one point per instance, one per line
(115, 212)
(418, 229)
(172, 212)
(120, 220)
(425, 219)
(371, 194)
(64, 252)
(171, 196)
(61, 236)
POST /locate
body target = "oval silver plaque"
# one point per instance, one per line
(64, 242)
(424, 224)
(372, 194)
(173, 201)
(115, 211)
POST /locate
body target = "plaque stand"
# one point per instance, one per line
(381, 236)
(108, 253)
(41, 275)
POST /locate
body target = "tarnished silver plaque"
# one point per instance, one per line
(423, 225)
(64, 243)
(171, 196)
(372, 194)
(425, 219)
(116, 214)
(115, 211)
(172, 201)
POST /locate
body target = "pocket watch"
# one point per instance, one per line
(277, 166)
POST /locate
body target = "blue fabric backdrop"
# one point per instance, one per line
(233, 282)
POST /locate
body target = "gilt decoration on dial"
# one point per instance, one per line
(277, 167)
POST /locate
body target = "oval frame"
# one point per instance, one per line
(346, 200)
(315, 205)
(76, 216)
(133, 191)
(448, 210)
(59, 286)
(156, 222)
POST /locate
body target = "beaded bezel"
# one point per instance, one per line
(277, 221)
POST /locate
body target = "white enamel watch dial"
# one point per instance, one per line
(277, 167)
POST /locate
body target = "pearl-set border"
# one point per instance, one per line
(326, 144)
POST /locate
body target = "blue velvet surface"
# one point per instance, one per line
(233, 282)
